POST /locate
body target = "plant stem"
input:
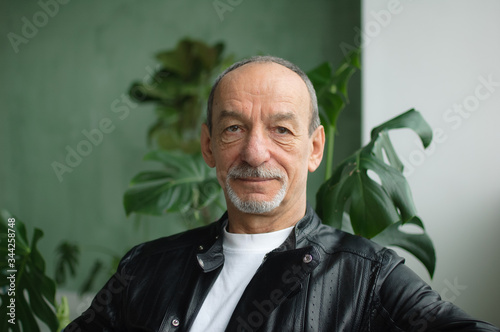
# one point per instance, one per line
(330, 143)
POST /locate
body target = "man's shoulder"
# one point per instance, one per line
(179, 241)
(337, 242)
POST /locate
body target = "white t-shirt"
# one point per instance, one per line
(243, 254)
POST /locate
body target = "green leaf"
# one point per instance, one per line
(355, 58)
(368, 206)
(329, 102)
(331, 88)
(167, 115)
(383, 147)
(22, 246)
(141, 92)
(191, 57)
(371, 206)
(186, 183)
(24, 316)
(321, 76)
(149, 176)
(331, 106)
(36, 257)
(342, 77)
(31, 280)
(41, 291)
(67, 256)
(180, 89)
(411, 119)
(352, 187)
(373, 192)
(420, 245)
(394, 185)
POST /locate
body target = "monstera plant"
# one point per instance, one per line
(366, 194)
(27, 292)
(375, 195)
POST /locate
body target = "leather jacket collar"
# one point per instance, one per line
(213, 257)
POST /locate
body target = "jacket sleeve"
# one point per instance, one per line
(406, 303)
(105, 312)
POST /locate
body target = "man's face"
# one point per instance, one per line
(260, 142)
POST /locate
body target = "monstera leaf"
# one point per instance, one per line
(34, 290)
(418, 244)
(370, 188)
(185, 184)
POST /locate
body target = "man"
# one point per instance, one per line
(268, 264)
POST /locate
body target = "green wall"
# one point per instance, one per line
(66, 75)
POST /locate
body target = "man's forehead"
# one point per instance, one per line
(263, 78)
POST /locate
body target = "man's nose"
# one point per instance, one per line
(256, 149)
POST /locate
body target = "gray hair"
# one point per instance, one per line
(315, 121)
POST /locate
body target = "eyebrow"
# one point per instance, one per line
(229, 114)
(286, 116)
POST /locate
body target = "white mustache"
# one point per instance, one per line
(247, 171)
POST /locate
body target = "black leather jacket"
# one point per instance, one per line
(319, 279)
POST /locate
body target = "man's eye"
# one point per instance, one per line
(232, 129)
(282, 130)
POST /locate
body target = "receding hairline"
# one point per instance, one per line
(280, 69)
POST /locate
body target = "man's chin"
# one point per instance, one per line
(255, 203)
(256, 207)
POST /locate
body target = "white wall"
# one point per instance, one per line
(436, 56)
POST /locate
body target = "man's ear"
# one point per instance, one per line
(206, 146)
(317, 147)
